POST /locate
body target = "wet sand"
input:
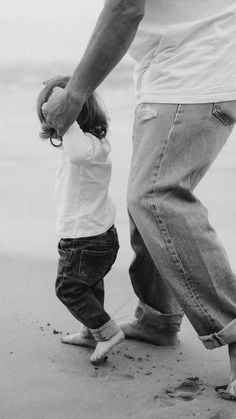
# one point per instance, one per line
(42, 378)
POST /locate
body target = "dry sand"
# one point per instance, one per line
(42, 378)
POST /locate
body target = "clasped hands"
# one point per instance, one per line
(60, 112)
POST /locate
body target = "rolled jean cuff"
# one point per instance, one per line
(223, 337)
(106, 331)
(212, 341)
(148, 316)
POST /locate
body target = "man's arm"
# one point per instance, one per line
(113, 34)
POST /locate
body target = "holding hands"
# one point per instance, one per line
(60, 111)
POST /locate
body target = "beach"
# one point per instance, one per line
(40, 377)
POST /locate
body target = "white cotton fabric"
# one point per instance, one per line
(185, 52)
(84, 207)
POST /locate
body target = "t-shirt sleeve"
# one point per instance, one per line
(80, 148)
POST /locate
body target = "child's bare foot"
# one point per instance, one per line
(83, 338)
(104, 347)
(231, 389)
(77, 339)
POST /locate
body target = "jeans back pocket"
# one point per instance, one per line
(95, 264)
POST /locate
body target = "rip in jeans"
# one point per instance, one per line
(146, 112)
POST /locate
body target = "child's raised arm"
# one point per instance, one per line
(79, 147)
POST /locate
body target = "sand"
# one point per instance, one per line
(42, 378)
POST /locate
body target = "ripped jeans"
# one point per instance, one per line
(179, 261)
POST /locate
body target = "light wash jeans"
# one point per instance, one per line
(179, 261)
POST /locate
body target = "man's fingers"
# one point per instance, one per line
(61, 130)
(46, 131)
(44, 135)
(58, 80)
(59, 113)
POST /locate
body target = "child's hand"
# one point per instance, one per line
(60, 112)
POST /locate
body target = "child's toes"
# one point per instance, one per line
(104, 347)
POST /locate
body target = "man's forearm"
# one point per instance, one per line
(114, 32)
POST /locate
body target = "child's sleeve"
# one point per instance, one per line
(79, 147)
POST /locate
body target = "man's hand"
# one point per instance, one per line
(60, 112)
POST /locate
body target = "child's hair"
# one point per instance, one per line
(92, 117)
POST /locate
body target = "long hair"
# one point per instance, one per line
(92, 117)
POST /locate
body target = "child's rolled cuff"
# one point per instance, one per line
(106, 331)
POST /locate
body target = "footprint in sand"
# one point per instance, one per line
(223, 414)
(186, 391)
(111, 373)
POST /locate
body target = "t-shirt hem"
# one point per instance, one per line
(210, 98)
(80, 233)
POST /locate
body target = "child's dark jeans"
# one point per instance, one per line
(82, 265)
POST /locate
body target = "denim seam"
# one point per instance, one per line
(177, 262)
(82, 318)
(135, 124)
(158, 166)
(167, 237)
(64, 275)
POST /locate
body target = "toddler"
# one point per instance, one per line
(88, 242)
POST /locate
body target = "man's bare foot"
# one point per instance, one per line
(83, 338)
(104, 347)
(231, 389)
(146, 333)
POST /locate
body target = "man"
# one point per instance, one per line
(186, 108)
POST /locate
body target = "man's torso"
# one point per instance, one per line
(186, 51)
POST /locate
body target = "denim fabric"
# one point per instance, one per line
(82, 265)
(147, 281)
(173, 147)
(106, 331)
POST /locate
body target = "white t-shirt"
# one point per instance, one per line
(186, 52)
(84, 207)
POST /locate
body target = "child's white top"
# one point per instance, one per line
(84, 207)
